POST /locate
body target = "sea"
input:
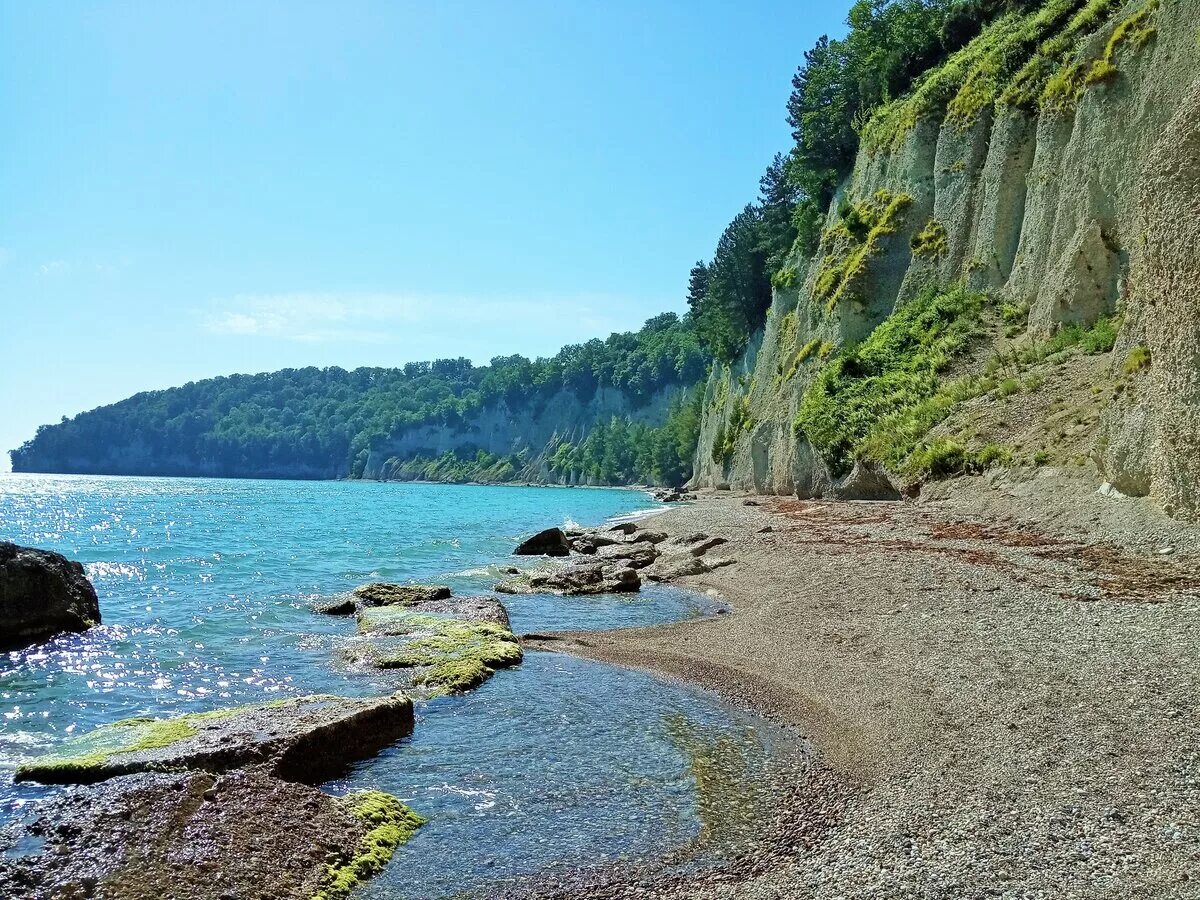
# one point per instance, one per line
(206, 591)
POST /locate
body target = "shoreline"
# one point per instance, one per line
(994, 681)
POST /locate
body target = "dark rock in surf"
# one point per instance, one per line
(339, 606)
(384, 594)
(42, 594)
(615, 577)
(551, 542)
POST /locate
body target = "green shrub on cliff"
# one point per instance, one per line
(880, 398)
(854, 242)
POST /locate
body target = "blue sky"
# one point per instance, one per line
(189, 190)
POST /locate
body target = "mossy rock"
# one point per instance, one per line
(447, 654)
(171, 836)
(389, 824)
(308, 739)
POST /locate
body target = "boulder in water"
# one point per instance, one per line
(42, 593)
(551, 542)
(383, 594)
(439, 646)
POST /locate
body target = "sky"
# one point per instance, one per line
(191, 190)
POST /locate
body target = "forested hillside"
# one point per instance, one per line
(322, 423)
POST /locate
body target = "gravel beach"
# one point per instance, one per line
(999, 683)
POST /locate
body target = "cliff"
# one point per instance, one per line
(1079, 208)
(529, 436)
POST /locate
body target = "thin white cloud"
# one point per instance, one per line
(54, 267)
(380, 318)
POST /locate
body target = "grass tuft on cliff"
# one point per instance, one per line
(879, 398)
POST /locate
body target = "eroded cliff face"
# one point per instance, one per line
(534, 431)
(1076, 213)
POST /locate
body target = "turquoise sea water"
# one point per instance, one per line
(205, 587)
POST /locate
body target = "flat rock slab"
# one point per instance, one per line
(198, 836)
(443, 646)
(307, 739)
(42, 594)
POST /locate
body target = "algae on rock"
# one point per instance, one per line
(389, 822)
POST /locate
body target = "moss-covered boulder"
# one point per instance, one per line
(200, 836)
(448, 647)
(308, 739)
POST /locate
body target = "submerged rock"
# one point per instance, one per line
(42, 594)
(200, 836)
(308, 739)
(447, 646)
(551, 542)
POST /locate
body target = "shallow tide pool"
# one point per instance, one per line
(205, 587)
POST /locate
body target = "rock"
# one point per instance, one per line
(590, 578)
(866, 481)
(694, 538)
(766, 529)
(42, 594)
(441, 646)
(551, 542)
(670, 568)
(589, 544)
(750, 502)
(309, 739)
(625, 528)
(707, 544)
(652, 537)
(198, 836)
(635, 555)
(383, 594)
(339, 606)
(509, 570)
(585, 578)
(718, 562)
